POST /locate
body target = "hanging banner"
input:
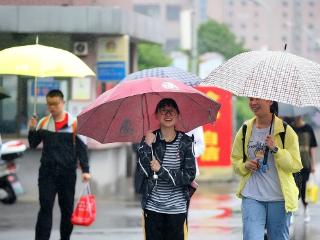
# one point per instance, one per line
(215, 161)
(112, 58)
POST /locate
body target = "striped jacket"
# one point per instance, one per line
(180, 177)
(61, 150)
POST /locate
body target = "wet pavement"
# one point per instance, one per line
(214, 214)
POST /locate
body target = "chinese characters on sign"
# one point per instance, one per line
(218, 137)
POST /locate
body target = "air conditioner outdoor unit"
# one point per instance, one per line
(80, 48)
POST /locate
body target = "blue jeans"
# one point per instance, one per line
(257, 215)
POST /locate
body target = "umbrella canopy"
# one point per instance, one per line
(167, 72)
(127, 111)
(42, 61)
(272, 75)
(292, 111)
(3, 94)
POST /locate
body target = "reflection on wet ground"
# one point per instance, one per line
(214, 215)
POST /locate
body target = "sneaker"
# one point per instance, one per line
(306, 215)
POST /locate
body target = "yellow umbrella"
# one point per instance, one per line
(42, 61)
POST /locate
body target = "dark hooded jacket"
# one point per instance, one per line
(181, 177)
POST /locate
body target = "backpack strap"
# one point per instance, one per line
(283, 134)
(43, 122)
(193, 144)
(244, 131)
(74, 131)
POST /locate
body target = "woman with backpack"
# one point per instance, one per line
(267, 187)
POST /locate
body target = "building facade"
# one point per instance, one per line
(89, 30)
(270, 24)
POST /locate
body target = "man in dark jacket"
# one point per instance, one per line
(62, 149)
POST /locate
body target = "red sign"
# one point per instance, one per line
(218, 136)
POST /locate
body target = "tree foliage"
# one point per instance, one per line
(216, 37)
(243, 111)
(152, 55)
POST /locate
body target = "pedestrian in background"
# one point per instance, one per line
(168, 154)
(267, 187)
(62, 149)
(307, 146)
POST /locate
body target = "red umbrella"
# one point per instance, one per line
(127, 111)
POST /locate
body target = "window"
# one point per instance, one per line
(284, 38)
(243, 26)
(255, 38)
(149, 10)
(173, 12)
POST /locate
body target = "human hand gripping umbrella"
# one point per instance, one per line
(272, 75)
(126, 112)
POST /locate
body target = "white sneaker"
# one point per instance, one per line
(306, 215)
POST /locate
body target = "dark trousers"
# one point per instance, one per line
(52, 184)
(305, 177)
(161, 226)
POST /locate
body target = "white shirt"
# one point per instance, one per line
(199, 145)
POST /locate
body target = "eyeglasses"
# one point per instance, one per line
(171, 112)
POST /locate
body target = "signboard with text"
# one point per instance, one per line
(218, 137)
(112, 58)
(44, 86)
(111, 71)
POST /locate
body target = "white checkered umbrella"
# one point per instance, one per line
(272, 75)
(167, 72)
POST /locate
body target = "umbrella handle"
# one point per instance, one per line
(154, 176)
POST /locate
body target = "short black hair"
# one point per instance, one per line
(167, 102)
(274, 108)
(55, 93)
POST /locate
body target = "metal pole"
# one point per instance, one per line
(35, 96)
(194, 47)
(35, 89)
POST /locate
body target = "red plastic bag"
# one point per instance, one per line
(85, 212)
